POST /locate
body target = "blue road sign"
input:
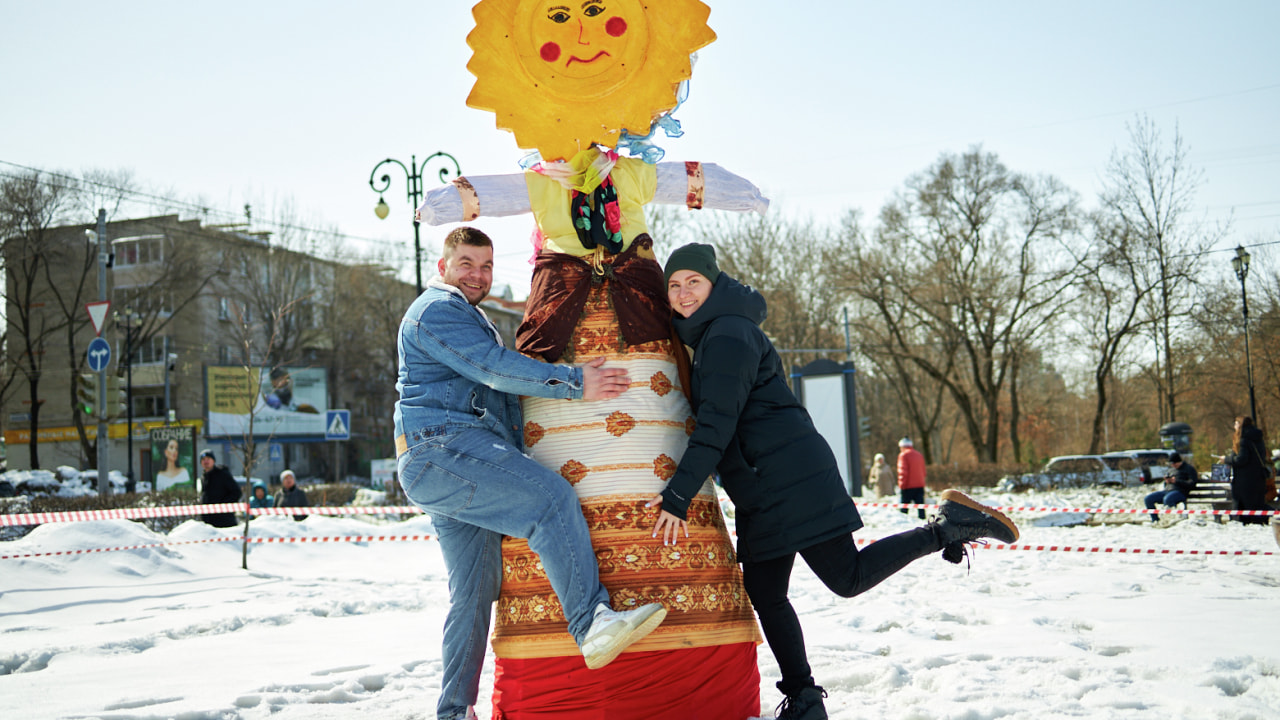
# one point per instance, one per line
(337, 424)
(99, 354)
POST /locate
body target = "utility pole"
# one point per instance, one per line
(104, 468)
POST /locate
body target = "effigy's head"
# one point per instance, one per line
(564, 75)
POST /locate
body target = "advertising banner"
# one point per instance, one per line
(173, 455)
(283, 402)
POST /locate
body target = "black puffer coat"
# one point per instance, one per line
(1249, 475)
(219, 487)
(779, 472)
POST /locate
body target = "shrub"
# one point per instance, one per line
(941, 477)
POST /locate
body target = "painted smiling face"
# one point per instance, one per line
(582, 42)
(581, 46)
(566, 74)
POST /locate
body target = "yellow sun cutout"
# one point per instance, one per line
(566, 74)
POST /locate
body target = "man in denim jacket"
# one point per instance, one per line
(460, 447)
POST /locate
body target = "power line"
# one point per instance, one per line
(205, 210)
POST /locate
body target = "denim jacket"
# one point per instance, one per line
(455, 374)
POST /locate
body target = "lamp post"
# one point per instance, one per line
(1240, 263)
(131, 320)
(413, 177)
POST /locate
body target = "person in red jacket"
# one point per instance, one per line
(910, 474)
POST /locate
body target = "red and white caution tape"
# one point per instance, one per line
(1099, 511)
(233, 538)
(1100, 549)
(180, 510)
(325, 510)
(122, 513)
(418, 538)
(345, 538)
(84, 551)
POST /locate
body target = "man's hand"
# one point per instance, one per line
(602, 383)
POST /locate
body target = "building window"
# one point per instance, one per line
(148, 406)
(143, 300)
(138, 250)
(224, 308)
(149, 350)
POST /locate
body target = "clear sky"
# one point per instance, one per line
(826, 105)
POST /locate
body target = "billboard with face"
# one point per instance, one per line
(266, 402)
(173, 457)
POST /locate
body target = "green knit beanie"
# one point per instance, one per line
(698, 257)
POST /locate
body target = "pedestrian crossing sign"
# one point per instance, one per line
(337, 424)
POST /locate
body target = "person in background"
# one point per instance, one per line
(259, 497)
(1249, 471)
(780, 473)
(217, 486)
(1177, 486)
(291, 495)
(910, 475)
(881, 477)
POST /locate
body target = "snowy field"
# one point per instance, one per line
(343, 630)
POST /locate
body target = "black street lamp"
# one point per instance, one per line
(413, 176)
(1240, 263)
(131, 321)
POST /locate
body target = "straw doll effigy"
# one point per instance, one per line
(597, 290)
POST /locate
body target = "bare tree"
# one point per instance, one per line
(365, 363)
(31, 205)
(1149, 194)
(969, 265)
(1115, 284)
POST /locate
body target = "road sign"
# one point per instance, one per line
(337, 424)
(275, 452)
(99, 355)
(98, 313)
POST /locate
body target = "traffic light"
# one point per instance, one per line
(864, 428)
(87, 393)
(117, 398)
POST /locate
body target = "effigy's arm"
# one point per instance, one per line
(705, 185)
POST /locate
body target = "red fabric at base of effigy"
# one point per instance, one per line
(717, 682)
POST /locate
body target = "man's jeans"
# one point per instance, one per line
(476, 488)
(1170, 498)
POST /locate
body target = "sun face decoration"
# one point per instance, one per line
(566, 74)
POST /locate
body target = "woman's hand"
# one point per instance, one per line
(668, 525)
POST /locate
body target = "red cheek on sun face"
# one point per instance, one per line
(550, 52)
(616, 26)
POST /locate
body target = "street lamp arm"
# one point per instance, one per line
(386, 177)
(443, 173)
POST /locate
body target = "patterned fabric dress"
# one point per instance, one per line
(701, 662)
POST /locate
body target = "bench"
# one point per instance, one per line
(1215, 495)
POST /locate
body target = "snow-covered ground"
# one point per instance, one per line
(342, 630)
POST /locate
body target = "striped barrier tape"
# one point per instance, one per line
(180, 510)
(85, 551)
(860, 541)
(1102, 511)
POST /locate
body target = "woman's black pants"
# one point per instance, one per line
(841, 567)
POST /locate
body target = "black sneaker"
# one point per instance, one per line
(804, 704)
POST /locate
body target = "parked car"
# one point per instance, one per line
(1068, 471)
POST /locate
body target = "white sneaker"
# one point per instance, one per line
(612, 632)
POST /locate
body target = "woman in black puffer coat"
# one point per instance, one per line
(1248, 470)
(779, 472)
